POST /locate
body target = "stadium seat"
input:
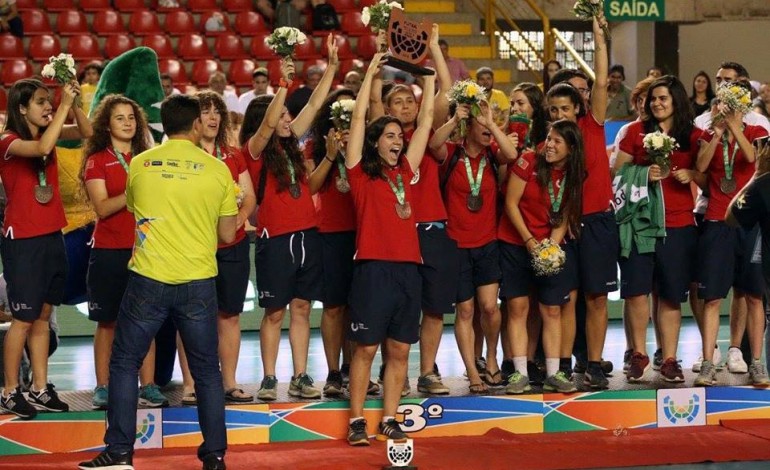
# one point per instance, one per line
(350, 64)
(11, 47)
(179, 23)
(144, 22)
(35, 22)
(118, 44)
(202, 25)
(200, 6)
(89, 6)
(232, 6)
(259, 49)
(250, 23)
(193, 46)
(343, 48)
(274, 71)
(3, 99)
(59, 5)
(175, 69)
(202, 70)
(14, 70)
(352, 25)
(84, 47)
(26, 5)
(108, 22)
(306, 51)
(366, 3)
(344, 6)
(240, 72)
(155, 6)
(229, 46)
(130, 5)
(72, 22)
(161, 44)
(44, 46)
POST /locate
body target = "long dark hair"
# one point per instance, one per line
(546, 78)
(574, 172)
(371, 162)
(683, 113)
(19, 95)
(536, 99)
(210, 98)
(322, 123)
(710, 95)
(276, 146)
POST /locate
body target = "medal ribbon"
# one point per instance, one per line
(399, 192)
(729, 160)
(120, 158)
(474, 184)
(555, 202)
(41, 173)
(341, 167)
(217, 151)
(291, 168)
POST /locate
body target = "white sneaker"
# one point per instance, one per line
(717, 358)
(735, 362)
(696, 365)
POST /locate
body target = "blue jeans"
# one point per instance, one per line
(146, 305)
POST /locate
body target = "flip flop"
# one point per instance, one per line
(478, 389)
(189, 399)
(493, 380)
(230, 395)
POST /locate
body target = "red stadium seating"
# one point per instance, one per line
(14, 70)
(108, 22)
(352, 25)
(118, 44)
(44, 46)
(3, 99)
(130, 5)
(95, 5)
(144, 22)
(344, 6)
(240, 72)
(72, 22)
(179, 23)
(175, 69)
(367, 47)
(161, 44)
(197, 6)
(306, 51)
(366, 3)
(84, 47)
(35, 22)
(350, 64)
(232, 6)
(193, 46)
(229, 46)
(202, 24)
(250, 23)
(343, 48)
(260, 50)
(27, 5)
(11, 47)
(202, 70)
(59, 5)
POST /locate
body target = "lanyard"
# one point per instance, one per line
(341, 168)
(120, 158)
(729, 160)
(555, 202)
(475, 184)
(399, 192)
(41, 173)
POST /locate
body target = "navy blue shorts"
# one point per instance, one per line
(338, 251)
(478, 267)
(232, 281)
(289, 267)
(669, 270)
(35, 270)
(440, 270)
(78, 246)
(106, 280)
(385, 302)
(519, 279)
(725, 261)
(598, 248)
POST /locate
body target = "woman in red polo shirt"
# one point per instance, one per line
(385, 298)
(32, 248)
(288, 247)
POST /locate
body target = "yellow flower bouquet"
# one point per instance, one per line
(548, 258)
(470, 93)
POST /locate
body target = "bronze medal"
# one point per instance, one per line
(342, 184)
(294, 190)
(474, 203)
(43, 194)
(728, 185)
(555, 219)
(404, 210)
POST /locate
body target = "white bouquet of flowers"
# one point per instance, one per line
(283, 40)
(548, 258)
(659, 147)
(342, 112)
(735, 98)
(377, 16)
(60, 68)
(590, 9)
(470, 93)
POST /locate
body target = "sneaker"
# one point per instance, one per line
(657, 359)
(302, 386)
(99, 400)
(697, 364)
(707, 375)
(431, 384)
(506, 369)
(407, 388)
(109, 461)
(373, 389)
(735, 362)
(559, 383)
(435, 370)
(671, 371)
(213, 462)
(580, 367)
(16, 403)
(607, 367)
(481, 365)
(535, 373)
(517, 384)
(758, 374)
(640, 363)
(595, 378)
(627, 359)
(345, 371)
(268, 389)
(333, 386)
(150, 397)
(47, 399)
(357, 435)
(716, 359)
(390, 430)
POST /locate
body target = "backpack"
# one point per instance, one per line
(325, 17)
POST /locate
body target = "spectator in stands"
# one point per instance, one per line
(702, 93)
(498, 100)
(762, 103)
(619, 96)
(299, 98)
(10, 20)
(457, 69)
(168, 85)
(549, 70)
(261, 82)
(352, 81)
(215, 23)
(218, 84)
(88, 79)
(324, 16)
(266, 8)
(655, 71)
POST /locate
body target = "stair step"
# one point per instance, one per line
(455, 29)
(470, 52)
(429, 6)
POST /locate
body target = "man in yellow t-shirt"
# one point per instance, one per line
(183, 201)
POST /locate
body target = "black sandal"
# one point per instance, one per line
(490, 379)
(478, 389)
(230, 395)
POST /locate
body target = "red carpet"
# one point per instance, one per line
(733, 441)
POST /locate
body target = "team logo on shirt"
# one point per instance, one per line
(523, 164)
(143, 227)
(416, 177)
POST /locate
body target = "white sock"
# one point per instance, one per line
(385, 419)
(551, 366)
(520, 364)
(352, 420)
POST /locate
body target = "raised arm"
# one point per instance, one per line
(416, 149)
(376, 108)
(82, 128)
(443, 133)
(358, 120)
(508, 152)
(601, 66)
(304, 120)
(259, 140)
(47, 141)
(321, 171)
(441, 106)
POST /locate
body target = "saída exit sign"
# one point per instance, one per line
(635, 10)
